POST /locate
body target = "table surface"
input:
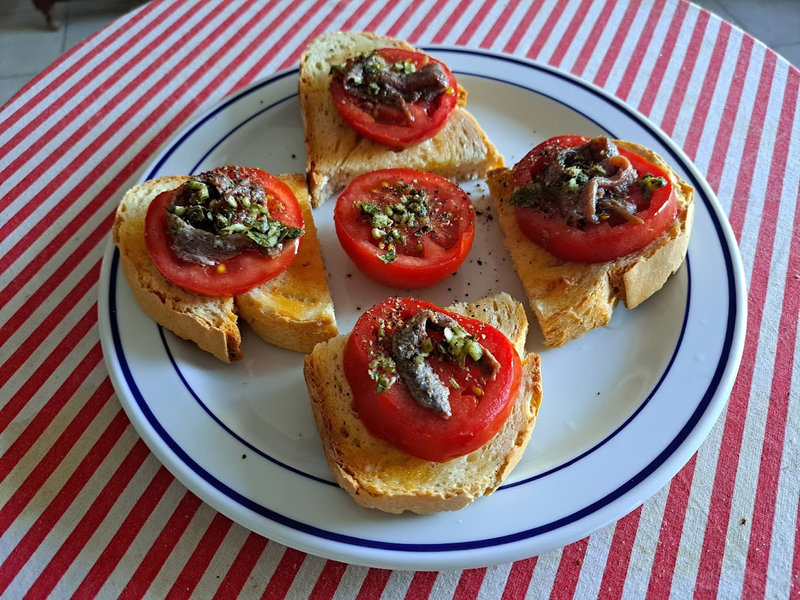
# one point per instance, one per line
(86, 508)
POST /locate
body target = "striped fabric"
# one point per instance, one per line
(87, 510)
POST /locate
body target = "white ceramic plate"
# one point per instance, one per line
(624, 407)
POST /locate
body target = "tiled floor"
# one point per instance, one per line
(27, 46)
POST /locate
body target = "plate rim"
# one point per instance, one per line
(671, 459)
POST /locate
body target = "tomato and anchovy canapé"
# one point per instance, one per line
(435, 384)
(588, 200)
(394, 96)
(224, 231)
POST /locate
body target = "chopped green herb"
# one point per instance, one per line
(392, 221)
(383, 371)
(597, 169)
(381, 330)
(458, 344)
(528, 195)
(405, 66)
(275, 233)
(389, 256)
(199, 190)
(649, 183)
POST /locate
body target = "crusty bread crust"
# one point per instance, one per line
(378, 475)
(293, 311)
(335, 153)
(570, 299)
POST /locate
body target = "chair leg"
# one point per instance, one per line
(46, 8)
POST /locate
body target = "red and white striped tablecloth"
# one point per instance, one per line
(87, 510)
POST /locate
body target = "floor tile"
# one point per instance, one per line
(77, 30)
(716, 7)
(774, 22)
(10, 86)
(18, 6)
(790, 52)
(87, 17)
(26, 45)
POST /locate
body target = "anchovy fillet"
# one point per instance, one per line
(419, 376)
(392, 87)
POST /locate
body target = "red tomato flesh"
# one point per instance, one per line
(240, 273)
(388, 125)
(428, 253)
(595, 242)
(394, 416)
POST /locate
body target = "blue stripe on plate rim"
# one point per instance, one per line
(726, 357)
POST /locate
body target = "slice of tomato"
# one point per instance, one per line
(601, 242)
(240, 273)
(479, 410)
(389, 126)
(427, 256)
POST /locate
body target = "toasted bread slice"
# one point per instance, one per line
(378, 475)
(335, 153)
(293, 311)
(570, 299)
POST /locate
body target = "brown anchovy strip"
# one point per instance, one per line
(202, 244)
(596, 187)
(203, 247)
(583, 184)
(386, 86)
(420, 378)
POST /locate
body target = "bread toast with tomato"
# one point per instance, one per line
(336, 153)
(379, 475)
(569, 299)
(294, 310)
